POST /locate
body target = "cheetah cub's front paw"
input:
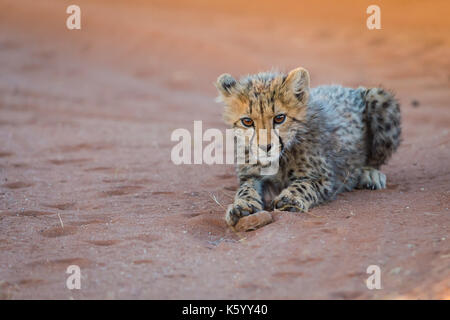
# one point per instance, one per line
(372, 179)
(286, 201)
(239, 209)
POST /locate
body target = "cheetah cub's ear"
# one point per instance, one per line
(297, 84)
(226, 85)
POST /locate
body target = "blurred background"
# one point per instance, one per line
(85, 171)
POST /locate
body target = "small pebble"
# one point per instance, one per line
(254, 221)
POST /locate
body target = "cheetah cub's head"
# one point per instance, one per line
(268, 107)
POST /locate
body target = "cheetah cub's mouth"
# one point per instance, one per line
(264, 157)
(265, 162)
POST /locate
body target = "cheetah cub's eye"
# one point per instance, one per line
(279, 119)
(247, 122)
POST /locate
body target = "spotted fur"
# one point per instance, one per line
(333, 139)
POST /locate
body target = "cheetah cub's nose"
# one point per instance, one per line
(266, 148)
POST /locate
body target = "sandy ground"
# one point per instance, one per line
(85, 170)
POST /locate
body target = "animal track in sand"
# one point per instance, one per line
(29, 282)
(145, 237)
(17, 185)
(59, 162)
(30, 213)
(156, 193)
(62, 263)
(301, 261)
(105, 169)
(122, 190)
(103, 243)
(84, 146)
(59, 231)
(5, 154)
(347, 295)
(287, 275)
(86, 222)
(61, 206)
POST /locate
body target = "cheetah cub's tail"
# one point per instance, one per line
(383, 120)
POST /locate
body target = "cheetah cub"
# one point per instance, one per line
(327, 139)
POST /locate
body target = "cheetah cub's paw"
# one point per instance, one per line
(239, 209)
(372, 179)
(286, 201)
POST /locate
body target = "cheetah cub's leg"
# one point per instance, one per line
(246, 201)
(371, 179)
(303, 194)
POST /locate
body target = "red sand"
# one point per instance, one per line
(85, 124)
